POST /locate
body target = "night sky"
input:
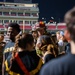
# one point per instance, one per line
(54, 8)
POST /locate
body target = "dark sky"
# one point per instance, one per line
(54, 8)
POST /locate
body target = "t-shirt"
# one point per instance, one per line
(6, 52)
(30, 60)
(64, 65)
(48, 57)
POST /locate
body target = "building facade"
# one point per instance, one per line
(17, 1)
(24, 14)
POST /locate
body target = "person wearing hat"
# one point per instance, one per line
(41, 30)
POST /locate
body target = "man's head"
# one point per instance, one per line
(13, 30)
(41, 28)
(70, 24)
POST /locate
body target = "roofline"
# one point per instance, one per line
(16, 3)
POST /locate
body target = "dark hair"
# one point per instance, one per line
(47, 45)
(15, 26)
(70, 22)
(46, 40)
(23, 39)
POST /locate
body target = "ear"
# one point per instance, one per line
(67, 35)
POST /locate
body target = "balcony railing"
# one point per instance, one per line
(18, 16)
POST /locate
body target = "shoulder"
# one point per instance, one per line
(59, 61)
(9, 44)
(54, 67)
(49, 56)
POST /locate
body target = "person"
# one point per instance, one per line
(64, 65)
(41, 30)
(58, 35)
(67, 47)
(13, 30)
(62, 43)
(34, 34)
(2, 44)
(24, 60)
(47, 49)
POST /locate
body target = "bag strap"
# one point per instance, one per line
(20, 63)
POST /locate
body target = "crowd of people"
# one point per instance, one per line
(39, 52)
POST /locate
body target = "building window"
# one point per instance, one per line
(20, 14)
(20, 22)
(34, 22)
(26, 22)
(10, 21)
(6, 21)
(13, 13)
(34, 14)
(14, 21)
(5, 13)
(0, 13)
(27, 14)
